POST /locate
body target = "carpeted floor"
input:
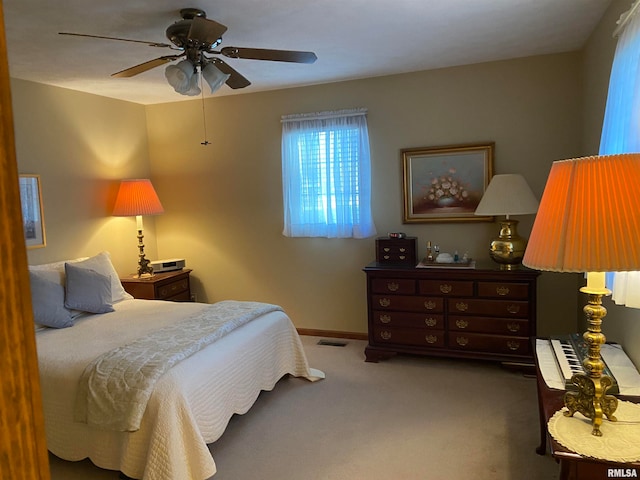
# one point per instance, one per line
(409, 418)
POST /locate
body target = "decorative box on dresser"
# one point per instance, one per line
(174, 286)
(481, 313)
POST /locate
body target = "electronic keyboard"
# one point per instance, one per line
(569, 352)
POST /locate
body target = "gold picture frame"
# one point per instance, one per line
(446, 183)
(32, 212)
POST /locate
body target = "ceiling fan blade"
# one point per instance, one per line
(150, 44)
(205, 31)
(236, 80)
(267, 54)
(143, 67)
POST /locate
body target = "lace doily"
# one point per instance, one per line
(620, 441)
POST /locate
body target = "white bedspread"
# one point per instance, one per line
(191, 404)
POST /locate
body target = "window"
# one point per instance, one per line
(326, 175)
(621, 125)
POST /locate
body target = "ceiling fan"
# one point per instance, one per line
(195, 37)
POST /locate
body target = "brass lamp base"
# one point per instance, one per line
(591, 399)
(144, 269)
(508, 249)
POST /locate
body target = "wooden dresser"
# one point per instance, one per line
(482, 313)
(174, 286)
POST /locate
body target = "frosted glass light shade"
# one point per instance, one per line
(180, 75)
(214, 77)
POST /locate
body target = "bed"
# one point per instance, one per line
(189, 405)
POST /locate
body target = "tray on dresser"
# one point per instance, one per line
(469, 264)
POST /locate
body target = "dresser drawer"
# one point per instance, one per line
(407, 303)
(171, 289)
(393, 285)
(406, 319)
(498, 308)
(409, 336)
(501, 326)
(479, 342)
(450, 288)
(503, 290)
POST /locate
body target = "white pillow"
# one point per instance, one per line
(101, 263)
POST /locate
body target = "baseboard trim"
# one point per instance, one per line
(332, 334)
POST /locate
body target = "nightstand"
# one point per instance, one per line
(173, 286)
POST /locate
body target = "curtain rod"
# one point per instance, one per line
(625, 17)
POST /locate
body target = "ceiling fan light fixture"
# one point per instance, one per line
(194, 87)
(180, 76)
(214, 77)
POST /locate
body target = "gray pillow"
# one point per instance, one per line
(47, 299)
(101, 263)
(87, 290)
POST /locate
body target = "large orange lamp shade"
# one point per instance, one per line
(137, 197)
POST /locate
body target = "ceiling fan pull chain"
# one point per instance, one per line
(204, 117)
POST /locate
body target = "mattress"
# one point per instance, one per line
(191, 404)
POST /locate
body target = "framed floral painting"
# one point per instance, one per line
(445, 184)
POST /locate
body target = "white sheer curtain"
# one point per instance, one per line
(326, 175)
(621, 128)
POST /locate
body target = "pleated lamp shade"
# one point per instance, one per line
(137, 197)
(589, 216)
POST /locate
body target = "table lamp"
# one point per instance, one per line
(138, 197)
(589, 222)
(507, 195)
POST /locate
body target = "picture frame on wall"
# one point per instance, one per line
(32, 212)
(445, 183)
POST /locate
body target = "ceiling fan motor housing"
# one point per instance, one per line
(178, 33)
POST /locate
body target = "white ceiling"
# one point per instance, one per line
(352, 38)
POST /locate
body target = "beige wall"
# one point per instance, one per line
(224, 201)
(81, 146)
(621, 324)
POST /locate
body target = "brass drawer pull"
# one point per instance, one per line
(386, 249)
(462, 341)
(462, 307)
(429, 304)
(392, 286)
(502, 290)
(402, 257)
(385, 318)
(513, 345)
(384, 302)
(386, 257)
(430, 322)
(513, 309)
(445, 288)
(431, 339)
(385, 335)
(513, 327)
(402, 249)
(460, 323)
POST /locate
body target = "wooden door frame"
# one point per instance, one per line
(23, 450)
